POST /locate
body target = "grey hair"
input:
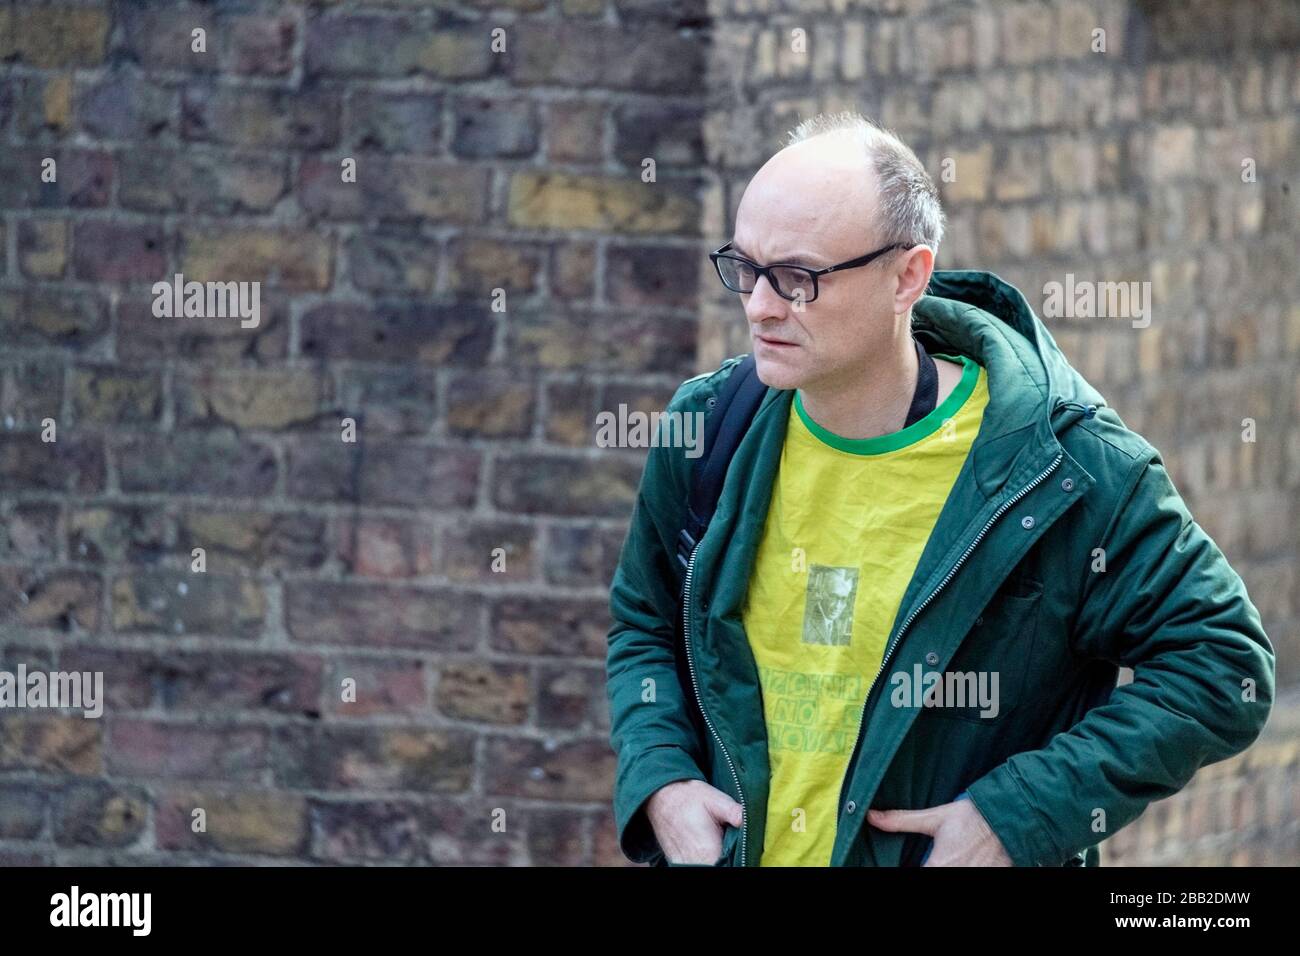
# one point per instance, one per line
(910, 212)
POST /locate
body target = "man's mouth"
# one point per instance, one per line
(768, 340)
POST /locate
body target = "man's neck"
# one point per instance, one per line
(871, 403)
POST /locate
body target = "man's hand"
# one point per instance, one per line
(961, 835)
(688, 817)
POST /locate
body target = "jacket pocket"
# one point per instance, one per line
(990, 665)
(730, 838)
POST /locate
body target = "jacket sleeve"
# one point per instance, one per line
(650, 729)
(1170, 607)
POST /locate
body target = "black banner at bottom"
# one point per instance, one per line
(335, 904)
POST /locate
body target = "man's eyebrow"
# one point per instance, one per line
(800, 258)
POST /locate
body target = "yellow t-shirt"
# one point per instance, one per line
(845, 528)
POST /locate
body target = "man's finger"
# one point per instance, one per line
(725, 809)
(907, 821)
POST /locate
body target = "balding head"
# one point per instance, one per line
(822, 190)
(903, 192)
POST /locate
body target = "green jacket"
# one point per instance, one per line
(1010, 581)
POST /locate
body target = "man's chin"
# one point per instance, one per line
(776, 374)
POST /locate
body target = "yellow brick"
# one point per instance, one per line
(259, 399)
(1149, 350)
(1172, 152)
(295, 259)
(609, 204)
(271, 823)
(971, 169)
(45, 255)
(56, 100)
(55, 37)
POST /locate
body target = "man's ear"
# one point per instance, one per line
(915, 266)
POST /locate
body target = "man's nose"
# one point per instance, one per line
(764, 303)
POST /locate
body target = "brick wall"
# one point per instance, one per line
(504, 266)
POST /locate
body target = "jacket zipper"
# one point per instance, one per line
(948, 577)
(686, 633)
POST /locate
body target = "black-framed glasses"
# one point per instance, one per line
(788, 280)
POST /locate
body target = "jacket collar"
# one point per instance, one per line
(977, 314)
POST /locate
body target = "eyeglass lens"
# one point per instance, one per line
(789, 280)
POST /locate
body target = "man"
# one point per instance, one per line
(878, 530)
(828, 618)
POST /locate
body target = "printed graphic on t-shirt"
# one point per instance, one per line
(828, 608)
(812, 713)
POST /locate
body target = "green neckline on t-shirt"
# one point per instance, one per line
(914, 432)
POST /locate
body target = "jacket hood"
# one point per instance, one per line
(1005, 307)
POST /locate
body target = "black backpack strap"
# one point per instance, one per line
(739, 399)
